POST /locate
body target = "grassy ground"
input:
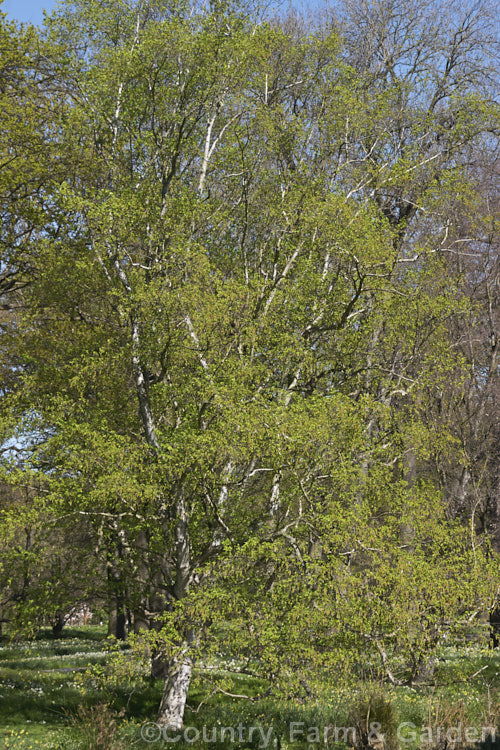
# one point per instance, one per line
(47, 700)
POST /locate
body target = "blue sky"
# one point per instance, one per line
(27, 10)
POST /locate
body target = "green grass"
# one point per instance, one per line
(44, 685)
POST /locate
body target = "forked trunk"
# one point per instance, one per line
(175, 691)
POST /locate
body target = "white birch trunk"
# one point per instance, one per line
(175, 691)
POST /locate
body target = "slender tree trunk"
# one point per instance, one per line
(173, 701)
(57, 625)
(494, 622)
(141, 620)
(175, 691)
(179, 669)
(121, 627)
(117, 617)
(111, 618)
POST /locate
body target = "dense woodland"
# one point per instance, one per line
(248, 332)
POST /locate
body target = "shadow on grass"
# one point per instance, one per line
(87, 633)
(58, 706)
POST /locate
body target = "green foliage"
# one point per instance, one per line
(228, 339)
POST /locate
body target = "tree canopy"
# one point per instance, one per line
(248, 330)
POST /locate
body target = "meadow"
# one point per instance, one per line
(57, 695)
